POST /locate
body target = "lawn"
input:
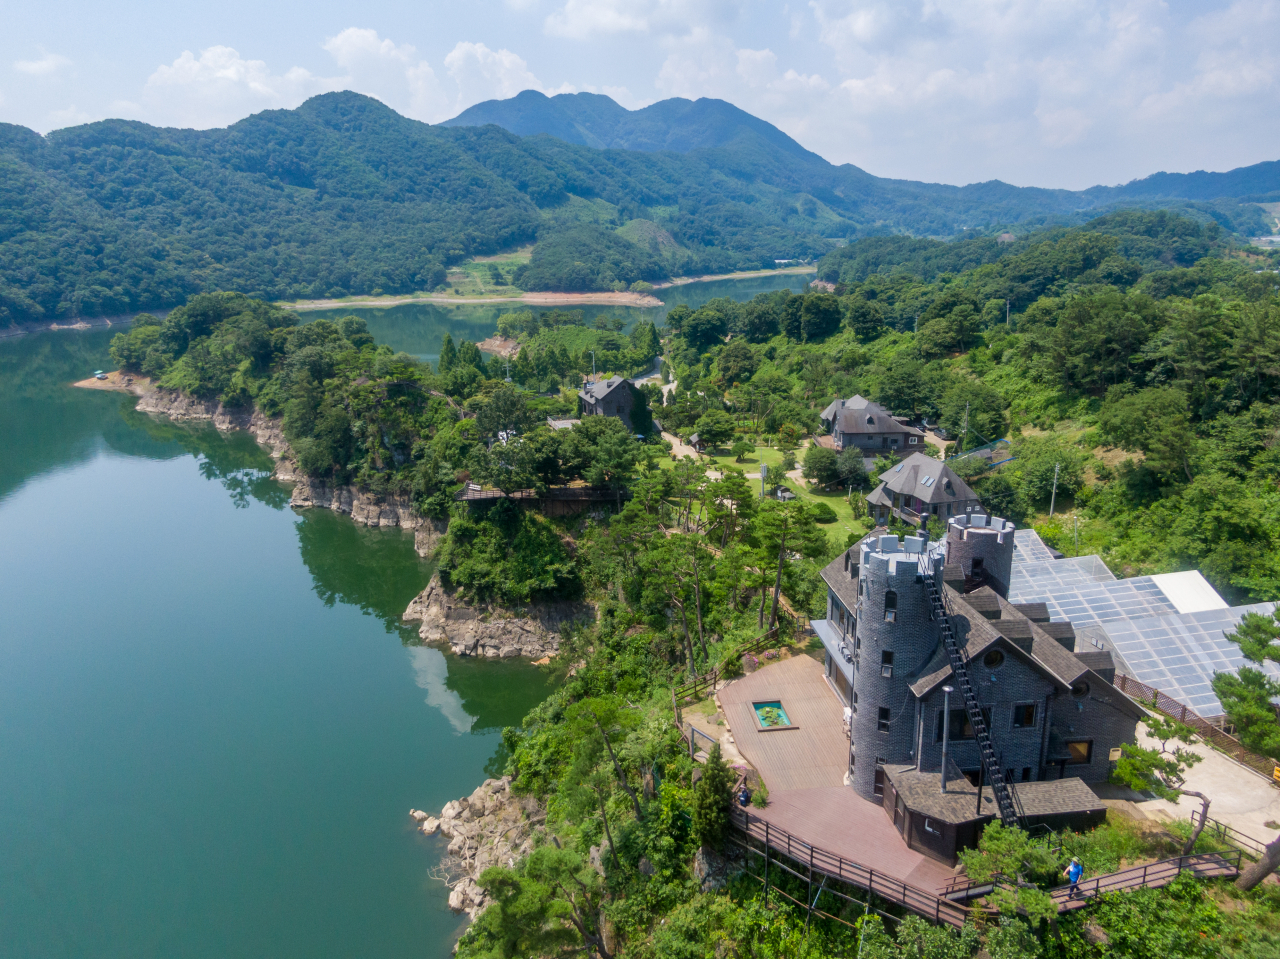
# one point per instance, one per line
(837, 532)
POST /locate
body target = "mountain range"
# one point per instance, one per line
(345, 196)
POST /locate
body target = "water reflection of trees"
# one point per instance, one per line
(233, 459)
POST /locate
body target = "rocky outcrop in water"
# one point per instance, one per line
(491, 827)
(492, 631)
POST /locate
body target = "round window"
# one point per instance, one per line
(993, 659)
(1080, 690)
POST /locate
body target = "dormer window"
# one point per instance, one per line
(890, 606)
(871, 421)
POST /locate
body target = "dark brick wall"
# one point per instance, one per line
(912, 638)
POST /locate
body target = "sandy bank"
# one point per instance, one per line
(118, 381)
(682, 280)
(530, 299)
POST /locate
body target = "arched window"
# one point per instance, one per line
(890, 606)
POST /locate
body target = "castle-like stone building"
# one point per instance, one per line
(1051, 715)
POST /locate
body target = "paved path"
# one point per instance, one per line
(1239, 797)
(680, 447)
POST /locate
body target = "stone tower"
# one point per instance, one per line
(895, 637)
(982, 546)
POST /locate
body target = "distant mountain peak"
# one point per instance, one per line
(595, 120)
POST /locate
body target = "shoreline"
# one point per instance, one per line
(622, 298)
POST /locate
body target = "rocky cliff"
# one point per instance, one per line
(491, 827)
(365, 508)
(493, 631)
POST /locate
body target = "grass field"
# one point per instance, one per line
(846, 522)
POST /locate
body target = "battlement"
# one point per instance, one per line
(883, 554)
(978, 524)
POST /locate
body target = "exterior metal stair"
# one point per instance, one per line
(1006, 801)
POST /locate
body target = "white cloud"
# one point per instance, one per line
(580, 19)
(71, 116)
(484, 74)
(47, 65)
(220, 87)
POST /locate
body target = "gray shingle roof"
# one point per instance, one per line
(927, 479)
(598, 390)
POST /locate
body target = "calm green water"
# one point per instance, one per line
(212, 724)
(419, 328)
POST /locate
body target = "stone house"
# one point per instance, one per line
(612, 397)
(869, 427)
(921, 486)
(1051, 714)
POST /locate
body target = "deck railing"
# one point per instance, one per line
(1264, 765)
(701, 686)
(1151, 876)
(816, 862)
(1251, 847)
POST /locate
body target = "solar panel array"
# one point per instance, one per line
(1178, 654)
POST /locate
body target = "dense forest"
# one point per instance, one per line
(1139, 355)
(344, 196)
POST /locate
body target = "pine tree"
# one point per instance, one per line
(448, 355)
(712, 802)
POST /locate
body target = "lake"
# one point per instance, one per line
(419, 328)
(212, 724)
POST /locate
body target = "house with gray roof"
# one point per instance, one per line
(921, 486)
(612, 397)
(869, 427)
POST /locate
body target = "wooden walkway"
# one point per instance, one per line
(848, 826)
(813, 753)
(1152, 876)
(808, 861)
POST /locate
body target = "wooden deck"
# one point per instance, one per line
(1152, 876)
(840, 821)
(804, 769)
(812, 754)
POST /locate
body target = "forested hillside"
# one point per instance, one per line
(344, 196)
(1147, 377)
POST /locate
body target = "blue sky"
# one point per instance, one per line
(1061, 93)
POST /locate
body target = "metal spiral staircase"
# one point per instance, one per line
(1006, 800)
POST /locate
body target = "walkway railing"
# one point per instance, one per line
(1251, 847)
(1264, 765)
(778, 844)
(700, 687)
(1151, 876)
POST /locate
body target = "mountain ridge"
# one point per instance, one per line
(343, 195)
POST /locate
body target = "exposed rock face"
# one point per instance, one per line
(426, 540)
(492, 631)
(491, 827)
(365, 508)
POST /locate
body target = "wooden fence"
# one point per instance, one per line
(1263, 765)
(1151, 876)
(776, 846)
(700, 687)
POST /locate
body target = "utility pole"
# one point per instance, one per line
(1006, 314)
(964, 429)
(1076, 518)
(508, 369)
(1054, 498)
(917, 327)
(593, 363)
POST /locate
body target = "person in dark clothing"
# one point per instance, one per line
(744, 797)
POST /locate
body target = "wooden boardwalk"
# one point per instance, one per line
(848, 826)
(813, 753)
(1151, 876)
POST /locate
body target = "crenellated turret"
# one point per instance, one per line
(895, 637)
(982, 546)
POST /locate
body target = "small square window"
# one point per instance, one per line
(877, 784)
(890, 615)
(1024, 715)
(886, 664)
(883, 722)
(928, 826)
(1081, 752)
(912, 440)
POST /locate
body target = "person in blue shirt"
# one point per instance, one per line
(1073, 872)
